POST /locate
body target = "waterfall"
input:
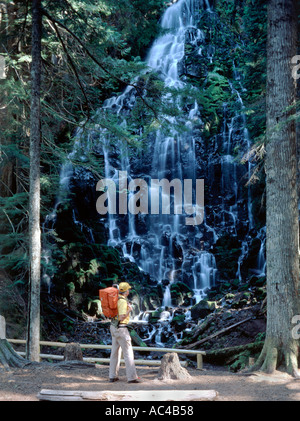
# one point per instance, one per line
(261, 259)
(161, 243)
(166, 249)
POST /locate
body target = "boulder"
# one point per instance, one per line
(202, 309)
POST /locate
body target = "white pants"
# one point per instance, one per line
(121, 340)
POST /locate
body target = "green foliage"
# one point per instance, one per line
(227, 250)
(13, 222)
(137, 22)
(90, 51)
(240, 361)
(253, 62)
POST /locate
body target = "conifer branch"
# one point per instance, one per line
(138, 91)
(72, 66)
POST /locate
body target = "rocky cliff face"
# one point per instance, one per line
(169, 262)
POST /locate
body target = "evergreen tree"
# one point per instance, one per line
(33, 331)
(86, 57)
(282, 201)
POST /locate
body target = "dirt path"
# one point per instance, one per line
(24, 384)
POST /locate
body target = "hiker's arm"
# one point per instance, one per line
(123, 316)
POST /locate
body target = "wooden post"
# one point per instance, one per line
(251, 361)
(199, 362)
(2, 328)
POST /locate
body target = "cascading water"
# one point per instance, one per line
(261, 260)
(166, 249)
(161, 244)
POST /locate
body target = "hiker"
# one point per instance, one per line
(121, 339)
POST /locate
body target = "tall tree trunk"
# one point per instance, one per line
(282, 203)
(33, 330)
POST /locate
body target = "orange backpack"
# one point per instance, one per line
(109, 301)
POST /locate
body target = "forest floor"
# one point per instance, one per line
(24, 384)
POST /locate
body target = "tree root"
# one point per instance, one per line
(9, 357)
(272, 356)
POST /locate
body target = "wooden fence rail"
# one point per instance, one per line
(199, 354)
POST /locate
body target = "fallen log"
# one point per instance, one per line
(222, 354)
(203, 326)
(220, 332)
(197, 332)
(130, 395)
(136, 339)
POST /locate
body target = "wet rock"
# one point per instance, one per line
(178, 322)
(202, 309)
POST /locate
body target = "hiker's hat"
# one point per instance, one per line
(124, 286)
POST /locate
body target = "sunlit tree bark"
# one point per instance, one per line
(33, 331)
(282, 248)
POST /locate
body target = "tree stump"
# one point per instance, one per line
(73, 352)
(170, 368)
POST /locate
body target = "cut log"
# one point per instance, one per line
(133, 395)
(170, 368)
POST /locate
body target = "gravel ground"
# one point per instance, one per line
(24, 384)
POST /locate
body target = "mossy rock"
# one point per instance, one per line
(226, 251)
(202, 309)
(154, 316)
(256, 281)
(260, 293)
(178, 322)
